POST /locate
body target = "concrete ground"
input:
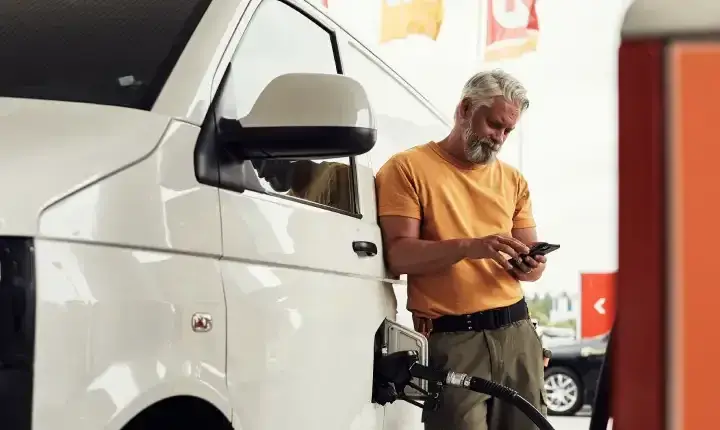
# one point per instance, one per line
(578, 422)
(581, 421)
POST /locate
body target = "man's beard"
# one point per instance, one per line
(479, 151)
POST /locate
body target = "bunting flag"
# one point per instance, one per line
(512, 29)
(324, 2)
(401, 18)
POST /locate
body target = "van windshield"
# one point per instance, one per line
(108, 52)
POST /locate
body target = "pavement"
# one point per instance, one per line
(578, 422)
(581, 421)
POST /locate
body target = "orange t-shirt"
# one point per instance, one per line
(456, 202)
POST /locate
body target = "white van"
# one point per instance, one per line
(164, 264)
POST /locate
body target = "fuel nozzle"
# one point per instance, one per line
(395, 368)
(399, 368)
(392, 373)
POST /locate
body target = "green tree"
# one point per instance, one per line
(547, 303)
(539, 310)
(572, 323)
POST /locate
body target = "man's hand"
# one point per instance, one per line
(492, 247)
(530, 269)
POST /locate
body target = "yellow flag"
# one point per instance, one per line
(401, 18)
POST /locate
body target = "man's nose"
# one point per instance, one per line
(499, 137)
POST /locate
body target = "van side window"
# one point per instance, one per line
(403, 120)
(278, 40)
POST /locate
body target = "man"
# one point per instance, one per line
(451, 216)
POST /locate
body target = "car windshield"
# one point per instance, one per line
(109, 52)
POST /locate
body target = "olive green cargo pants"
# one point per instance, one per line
(511, 356)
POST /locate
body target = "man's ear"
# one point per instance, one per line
(465, 109)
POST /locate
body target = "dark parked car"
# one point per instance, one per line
(571, 376)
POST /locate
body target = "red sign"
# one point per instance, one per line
(512, 28)
(597, 303)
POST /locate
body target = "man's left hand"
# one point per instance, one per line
(530, 269)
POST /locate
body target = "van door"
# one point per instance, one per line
(302, 266)
(403, 120)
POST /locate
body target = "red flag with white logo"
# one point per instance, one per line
(597, 299)
(512, 28)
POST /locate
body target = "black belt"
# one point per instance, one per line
(490, 319)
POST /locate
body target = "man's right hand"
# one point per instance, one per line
(492, 246)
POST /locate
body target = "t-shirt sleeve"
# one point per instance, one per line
(396, 191)
(523, 217)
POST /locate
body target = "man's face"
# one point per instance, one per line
(486, 128)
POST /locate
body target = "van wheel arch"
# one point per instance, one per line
(181, 413)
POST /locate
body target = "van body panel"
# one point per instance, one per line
(300, 348)
(155, 204)
(289, 233)
(53, 149)
(113, 333)
(188, 92)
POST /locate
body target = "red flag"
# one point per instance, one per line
(597, 303)
(512, 28)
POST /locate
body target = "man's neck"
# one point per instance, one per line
(455, 148)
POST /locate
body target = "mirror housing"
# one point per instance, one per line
(301, 116)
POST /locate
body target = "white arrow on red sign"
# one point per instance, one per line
(599, 306)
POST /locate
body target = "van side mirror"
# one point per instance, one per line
(303, 115)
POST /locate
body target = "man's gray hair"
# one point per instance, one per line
(483, 86)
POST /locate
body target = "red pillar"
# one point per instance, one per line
(639, 373)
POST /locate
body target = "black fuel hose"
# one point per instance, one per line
(479, 385)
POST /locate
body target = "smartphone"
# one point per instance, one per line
(540, 248)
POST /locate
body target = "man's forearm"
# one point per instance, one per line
(416, 256)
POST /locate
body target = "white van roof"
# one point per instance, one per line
(668, 17)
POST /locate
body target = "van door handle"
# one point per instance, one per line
(365, 249)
